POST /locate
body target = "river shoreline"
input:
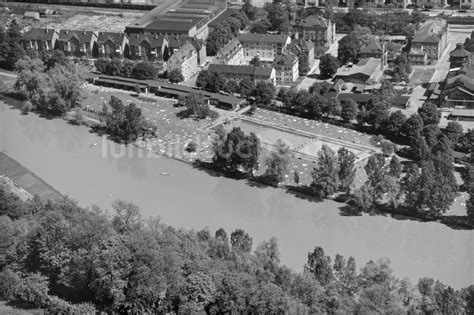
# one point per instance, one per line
(452, 221)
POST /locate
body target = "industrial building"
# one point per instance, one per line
(189, 18)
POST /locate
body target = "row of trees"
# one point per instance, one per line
(216, 82)
(68, 259)
(395, 22)
(126, 68)
(11, 49)
(53, 87)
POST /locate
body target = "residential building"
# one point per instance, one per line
(319, 30)
(265, 46)
(371, 47)
(185, 59)
(429, 42)
(77, 43)
(230, 54)
(112, 44)
(459, 56)
(240, 72)
(286, 68)
(303, 47)
(176, 42)
(40, 39)
(152, 48)
(365, 71)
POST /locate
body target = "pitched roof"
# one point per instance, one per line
(241, 70)
(315, 21)
(263, 38)
(175, 42)
(372, 46)
(287, 60)
(39, 34)
(301, 45)
(154, 40)
(184, 52)
(229, 49)
(367, 66)
(82, 36)
(460, 80)
(459, 51)
(115, 37)
(463, 112)
(430, 31)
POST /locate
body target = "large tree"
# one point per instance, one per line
(277, 162)
(349, 110)
(346, 160)
(320, 266)
(328, 65)
(325, 176)
(348, 49)
(429, 113)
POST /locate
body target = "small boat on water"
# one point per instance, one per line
(164, 174)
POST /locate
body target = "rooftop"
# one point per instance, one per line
(431, 31)
(459, 52)
(287, 59)
(367, 66)
(153, 40)
(315, 21)
(263, 38)
(241, 70)
(81, 36)
(117, 38)
(39, 34)
(184, 52)
(229, 49)
(372, 46)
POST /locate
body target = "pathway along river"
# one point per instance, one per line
(63, 156)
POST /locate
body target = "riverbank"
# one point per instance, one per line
(26, 179)
(173, 147)
(191, 198)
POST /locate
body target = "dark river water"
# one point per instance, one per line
(63, 155)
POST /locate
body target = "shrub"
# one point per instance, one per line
(27, 107)
(191, 147)
(9, 284)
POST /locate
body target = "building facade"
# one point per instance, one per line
(113, 44)
(185, 59)
(38, 39)
(230, 54)
(240, 72)
(152, 48)
(265, 46)
(286, 69)
(80, 44)
(317, 29)
(303, 47)
(431, 40)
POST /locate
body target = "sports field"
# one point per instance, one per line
(299, 141)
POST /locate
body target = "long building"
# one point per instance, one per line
(190, 18)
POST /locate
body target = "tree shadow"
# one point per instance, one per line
(349, 210)
(303, 192)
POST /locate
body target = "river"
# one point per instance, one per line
(63, 156)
